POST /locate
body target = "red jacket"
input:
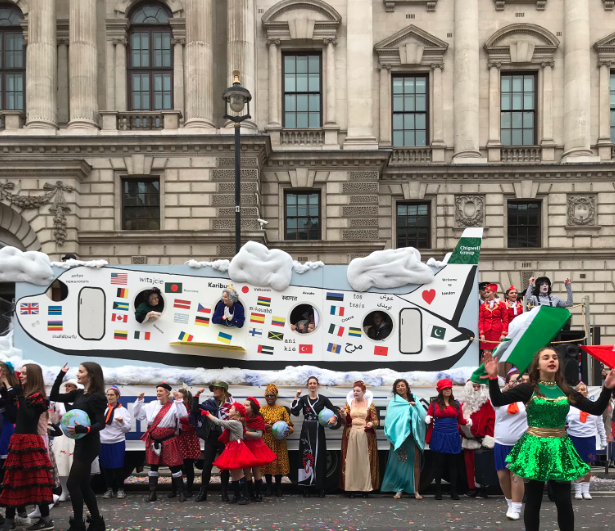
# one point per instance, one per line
(511, 310)
(483, 421)
(495, 319)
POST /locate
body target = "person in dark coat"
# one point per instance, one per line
(381, 329)
(229, 312)
(151, 309)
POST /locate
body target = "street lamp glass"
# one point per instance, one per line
(237, 102)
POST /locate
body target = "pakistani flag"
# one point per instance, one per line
(527, 334)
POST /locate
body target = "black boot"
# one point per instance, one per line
(244, 499)
(173, 493)
(237, 491)
(269, 479)
(321, 493)
(189, 485)
(250, 485)
(471, 493)
(202, 496)
(97, 524)
(224, 497)
(224, 480)
(454, 495)
(258, 484)
(76, 526)
(178, 483)
(153, 485)
(438, 491)
(278, 486)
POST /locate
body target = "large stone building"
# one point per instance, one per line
(376, 124)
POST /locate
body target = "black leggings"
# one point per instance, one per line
(209, 455)
(450, 461)
(189, 472)
(80, 490)
(12, 511)
(114, 478)
(561, 497)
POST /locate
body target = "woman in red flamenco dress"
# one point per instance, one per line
(492, 319)
(255, 428)
(236, 455)
(27, 480)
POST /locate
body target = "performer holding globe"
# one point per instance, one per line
(91, 400)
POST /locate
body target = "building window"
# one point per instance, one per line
(413, 225)
(12, 60)
(150, 71)
(612, 106)
(302, 212)
(302, 91)
(410, 111)
(141, 204)
(523, 224)
(518, 110)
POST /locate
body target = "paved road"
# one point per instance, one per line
(336, 512)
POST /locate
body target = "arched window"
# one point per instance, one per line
(150, 71)
(12, 59)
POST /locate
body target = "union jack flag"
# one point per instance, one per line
(29, 309)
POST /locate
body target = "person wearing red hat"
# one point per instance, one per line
(513, 304)
(255, 428)
(443, 418)
(236, 455)
(492, 319)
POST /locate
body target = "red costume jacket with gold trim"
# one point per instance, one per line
(494, 320)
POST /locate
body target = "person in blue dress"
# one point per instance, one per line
(229, 311)
(405, 429)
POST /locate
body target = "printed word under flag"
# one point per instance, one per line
(337, 310)
(29, 309)
(265, 349)
(334, 348)
(256, 332)
(142, 335)
(185, 336)
(305, 349)
(122, 318)
(120, 279)
(336, 330)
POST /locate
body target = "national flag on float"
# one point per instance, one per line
(143, 335)
(120, 279)
(202, 309)
(55, 326)
(122, 293)
(201, 321)
(275, 336)
(265, 349)
(257, 317)
(527, 334)
(264, 301)
(185, 336)
(278, 321)
(305, 349)
(122, 318)
(336, 330)
(173, 287)
(119, 305)
(354, 332)
(225, 338)
(331, 296)
(120, 334)
(179, 303)
(438, 332)
(381, 351)
(181, 318)
(54, 310)
(334, 348)
(29, 308)
(256, 332)
(337, 310)
(603, 353)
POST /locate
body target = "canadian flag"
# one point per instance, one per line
(120, 317)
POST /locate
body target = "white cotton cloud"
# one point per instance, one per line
(432, 262)
(31, 266)
(391, 268)
(300, 268)
(257, 265)
(69, 264)
(218, 265)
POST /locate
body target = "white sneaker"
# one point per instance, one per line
(121, 494)
(512, 515)
(21, 521)
(586, 494)
(35, 515)
(578, 490)
(108, 494)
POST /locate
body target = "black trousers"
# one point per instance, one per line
(213, 447)
(561, 497)
(114, 478)
(450, 461)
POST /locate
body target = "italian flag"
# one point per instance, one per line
(527, 334)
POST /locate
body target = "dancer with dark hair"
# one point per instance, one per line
(538, 293)
(93, 401)
(545, 453)
(253, 436)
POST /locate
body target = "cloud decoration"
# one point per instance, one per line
(29, 266)
(257, 265)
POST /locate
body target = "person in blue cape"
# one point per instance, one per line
(405, 429)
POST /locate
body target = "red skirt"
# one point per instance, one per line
(236, 455)
(27, 477)
(490, 335)
(262, 453)
(170, 454)
(189, 444)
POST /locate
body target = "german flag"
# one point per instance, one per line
(201, 321)
(120, 334)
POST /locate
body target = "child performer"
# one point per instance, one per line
(189, 445)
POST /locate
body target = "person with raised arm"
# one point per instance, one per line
(545, 453)
(538, 293)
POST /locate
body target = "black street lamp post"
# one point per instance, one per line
(236, 98)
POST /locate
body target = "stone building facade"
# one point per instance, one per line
(375, 124)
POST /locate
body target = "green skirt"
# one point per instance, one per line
(545, 459)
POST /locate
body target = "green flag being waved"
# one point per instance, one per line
(527, 334)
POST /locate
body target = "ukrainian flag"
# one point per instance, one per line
(225, 338)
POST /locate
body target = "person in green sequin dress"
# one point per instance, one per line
(545, 453)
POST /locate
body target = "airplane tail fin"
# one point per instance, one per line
(467, 251)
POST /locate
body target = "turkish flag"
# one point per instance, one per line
(603, 353)
(381, 351)
(305, 349)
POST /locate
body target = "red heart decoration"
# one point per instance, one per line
(429, 295)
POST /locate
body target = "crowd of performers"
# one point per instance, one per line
(538, 428)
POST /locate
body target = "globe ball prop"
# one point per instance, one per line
(73, 417)
(279, 429)
(324, 416)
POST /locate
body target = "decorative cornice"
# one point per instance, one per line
(277, 26)
(18, 167)
(123, 6)
(276, 11)
(501, 4)
(389, 5)
(425, 48)
(522, 50)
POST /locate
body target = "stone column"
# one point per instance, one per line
(41, 66)
(200, 64)
(385, 106)
(83, 65)
(466, 83)
(63, 81)
(495, 142)
(547, 143)
(110, 72)
(437, 137)
(331, 128)
(359, 75)
(604, 137)
(121, 87)
(178, 74)
(274, 85)
(577, 93)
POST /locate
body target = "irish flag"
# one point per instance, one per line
(527, 334)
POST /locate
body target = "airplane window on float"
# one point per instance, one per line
(58, 291)
(304, 319)
(378, 325)
(92, 313)
(149, 305)
(229, 311)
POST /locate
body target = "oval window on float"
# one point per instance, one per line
(377, 325)
(58, 291)
(304, 319)
(148, 304)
